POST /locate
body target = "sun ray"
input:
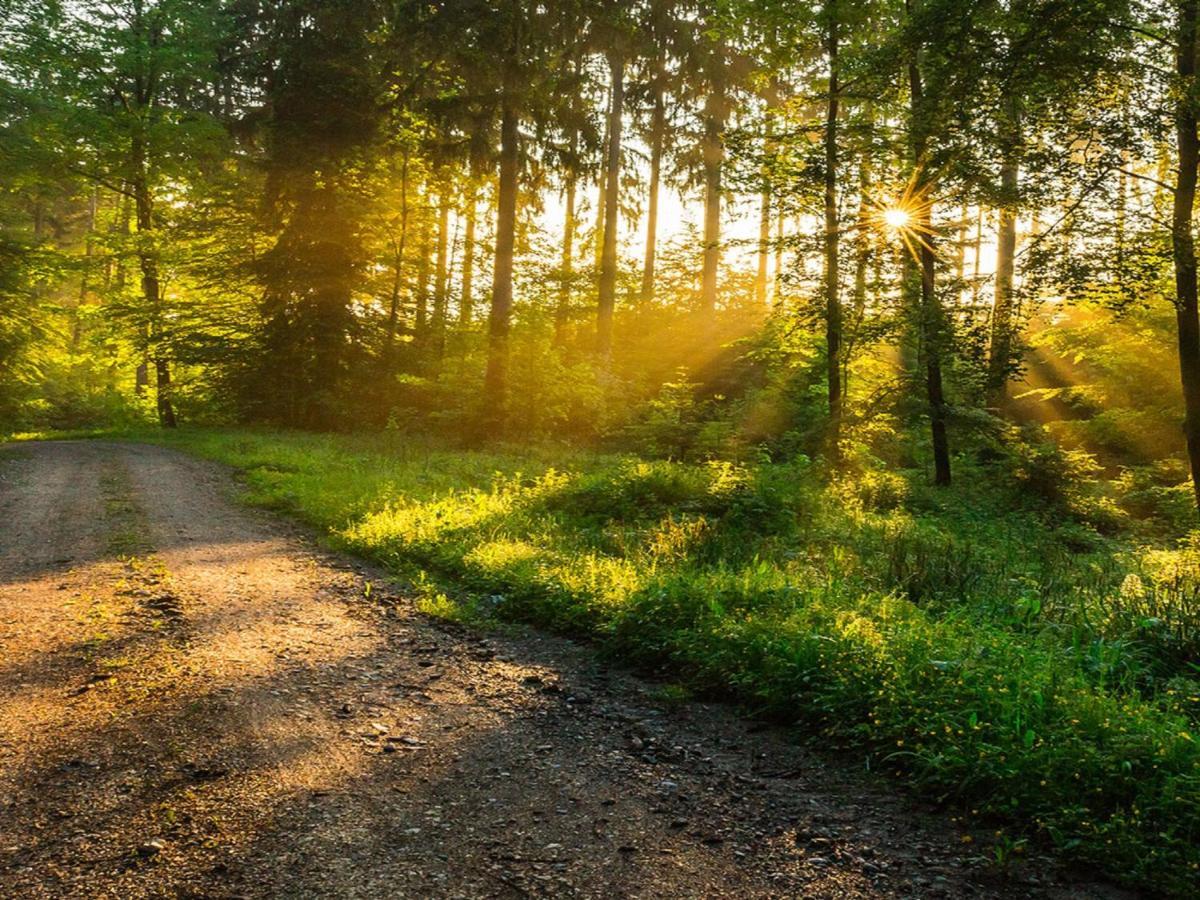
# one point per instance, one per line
(906, 214)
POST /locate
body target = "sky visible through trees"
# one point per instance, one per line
(286, 214)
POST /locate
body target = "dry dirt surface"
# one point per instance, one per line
(198, 700)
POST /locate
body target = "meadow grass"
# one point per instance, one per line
(993, 652)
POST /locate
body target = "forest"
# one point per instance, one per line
(839, 361)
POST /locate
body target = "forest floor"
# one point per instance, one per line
(198, 700)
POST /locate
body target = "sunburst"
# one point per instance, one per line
(907, 215)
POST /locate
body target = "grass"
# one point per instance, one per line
(992, 650)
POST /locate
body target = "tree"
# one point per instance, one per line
(131, 111)
(324, 117)
(716, 111)
(925, 111)
(615, 55)
(662, 39)
(1050, 57)
(1183, 248)
(833, 301)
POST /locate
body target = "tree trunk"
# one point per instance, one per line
(466, 301)
(862, 255)
(714, 157)
(612, 184)
(764, 225)
(601, 194)
(765, 210)
(763, 275)
(86, 273)
(960, 258)
(931, 317)
(657, 135)
(1003, 308)
(833, 304)
(162, 386)
(495, 385)
(562, 309)
(779, 220)
(977, 249)
(151, 287)
(421, 313)
(441, 275)
(934, 332)
(141, 374)
(1187, 309)
(862, 260)
(393, 319)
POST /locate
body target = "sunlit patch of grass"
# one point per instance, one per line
(421, 523)
(440, 605)
(55, 434)
(506, 559)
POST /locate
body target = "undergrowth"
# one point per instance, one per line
(992, 651)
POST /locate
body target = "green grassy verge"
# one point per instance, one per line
(988, 650)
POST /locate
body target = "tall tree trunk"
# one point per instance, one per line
(657, 135)
(761, 276)
(1004, 307)
(778, 286)
(833, 304)
(862, 260)
(421, 313)
(612, 182)
(495, 385)
(393, 319)
(141, 376)
(466, 299)
(977, 265)
(1187, 309)
(562, 309)
(1120, 217)
(714, 158)
(151, 287)
(960, 258)
(931, 316)
(601, 194)
(441, 275)
(1162, 172)
(862, 255)
(86, 273)
(934, 332)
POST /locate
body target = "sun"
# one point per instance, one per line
(905, 214)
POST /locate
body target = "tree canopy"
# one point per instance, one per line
(837, 226)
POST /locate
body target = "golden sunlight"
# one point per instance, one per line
(907, 215)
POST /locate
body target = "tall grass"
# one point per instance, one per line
(987, 650)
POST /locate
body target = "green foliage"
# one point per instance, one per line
(16, 330)
(967, 644)
(670, 423)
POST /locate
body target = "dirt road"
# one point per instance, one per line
(196, 700)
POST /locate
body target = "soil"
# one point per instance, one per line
(200, 700)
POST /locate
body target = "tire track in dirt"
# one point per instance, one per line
(198, 701)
